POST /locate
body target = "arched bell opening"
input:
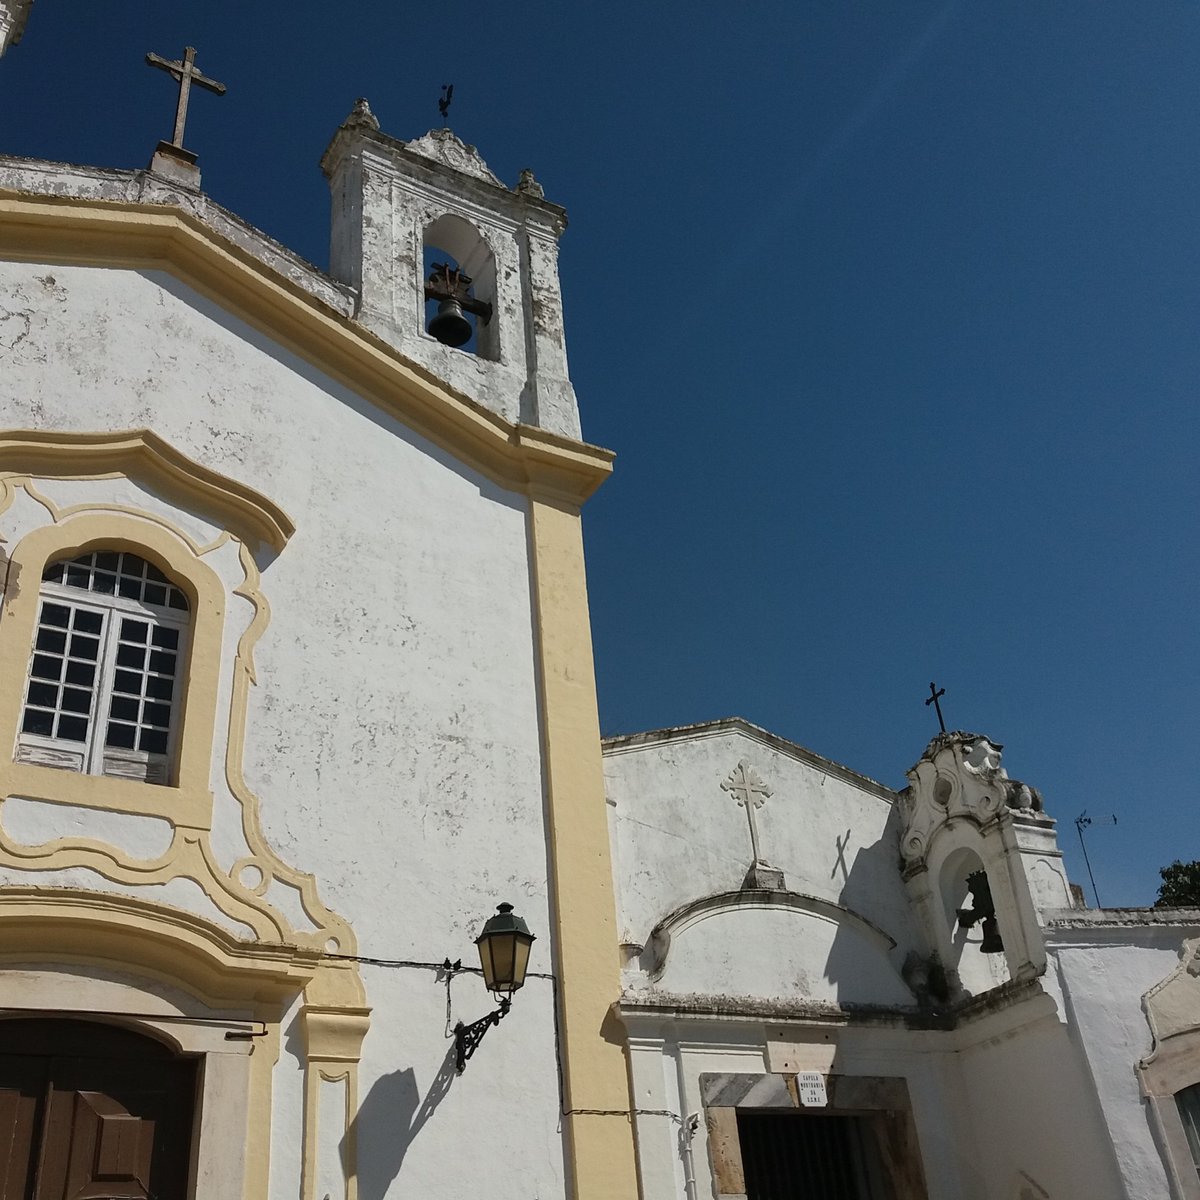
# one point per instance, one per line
(459, 283)
(976, 944)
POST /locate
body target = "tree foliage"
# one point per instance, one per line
(1180, 886)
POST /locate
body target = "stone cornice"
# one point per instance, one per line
(141, 236)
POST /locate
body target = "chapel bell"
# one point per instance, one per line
(449, 325)
(452, 290)
(983, 909)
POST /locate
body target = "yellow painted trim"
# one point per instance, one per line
(123, 234)
(333, 1043)
(188, 803)
(593, 1055)
(141, 454)
(177, 948)
(169, 944)
(187, 807)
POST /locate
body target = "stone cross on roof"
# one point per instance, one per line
(187, 74)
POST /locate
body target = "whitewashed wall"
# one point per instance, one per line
(393, 731)
(679, 837)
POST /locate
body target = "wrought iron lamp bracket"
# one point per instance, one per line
(468, 1037)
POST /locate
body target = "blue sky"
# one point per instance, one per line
(887, 307)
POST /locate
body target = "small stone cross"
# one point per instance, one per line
(187, 74)
(747, 786)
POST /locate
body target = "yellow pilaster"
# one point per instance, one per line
(600, 1141)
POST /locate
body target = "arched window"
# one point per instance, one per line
(102, 696)
(1188, 1103)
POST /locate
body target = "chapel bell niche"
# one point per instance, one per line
(460, 280)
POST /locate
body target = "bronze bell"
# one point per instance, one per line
(982, 910)
(449, 325)
(991, 943)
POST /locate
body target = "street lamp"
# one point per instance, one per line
(504, 956)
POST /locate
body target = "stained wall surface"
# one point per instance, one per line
(392, 732)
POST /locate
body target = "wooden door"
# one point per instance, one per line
(91, 1112)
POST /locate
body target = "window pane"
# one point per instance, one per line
(155, 594)
(131, 588)
(53, 640)
(134, 631)
(123, 736)
(76, 700)
(107, 559)
(56, 614)
(72, 729)
(177, 600)
(124, 708)
(128, 681)
(166, 637)
(81, 673)
(87, 622)
(43, 694)
(160, 687)
(153, 573)
(54, 572)
(78, 576)
(156, 714)
(131, 656)
(153, 741)
(162, 662)
(41, 723)
(85, 647)
(45, 667)
(104, 583)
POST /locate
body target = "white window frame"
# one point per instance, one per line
(93, 756)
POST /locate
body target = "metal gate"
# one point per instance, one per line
(796, 1156)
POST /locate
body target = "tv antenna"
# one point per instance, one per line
(1082, 822)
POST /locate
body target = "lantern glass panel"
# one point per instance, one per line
(521, 959)
(503, 950)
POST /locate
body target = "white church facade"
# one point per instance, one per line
(296, 687)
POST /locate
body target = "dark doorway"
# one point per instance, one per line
(802, 1156)
(92, 1112)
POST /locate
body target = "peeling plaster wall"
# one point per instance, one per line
(393, 733)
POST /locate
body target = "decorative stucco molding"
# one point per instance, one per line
(658, 945)
(1172, 1006)
(960, 777)
(444, 146)
(139, 453)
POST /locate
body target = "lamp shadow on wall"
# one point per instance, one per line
(389, 1120)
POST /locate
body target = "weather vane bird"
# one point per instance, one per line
(444, 102)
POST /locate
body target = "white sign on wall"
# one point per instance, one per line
(810, 1085)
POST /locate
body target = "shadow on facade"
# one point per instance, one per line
(388, 1121)
(854, 968)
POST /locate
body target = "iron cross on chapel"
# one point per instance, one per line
(187, 74)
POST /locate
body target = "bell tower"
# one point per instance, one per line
(980, 862)
(455, 270)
